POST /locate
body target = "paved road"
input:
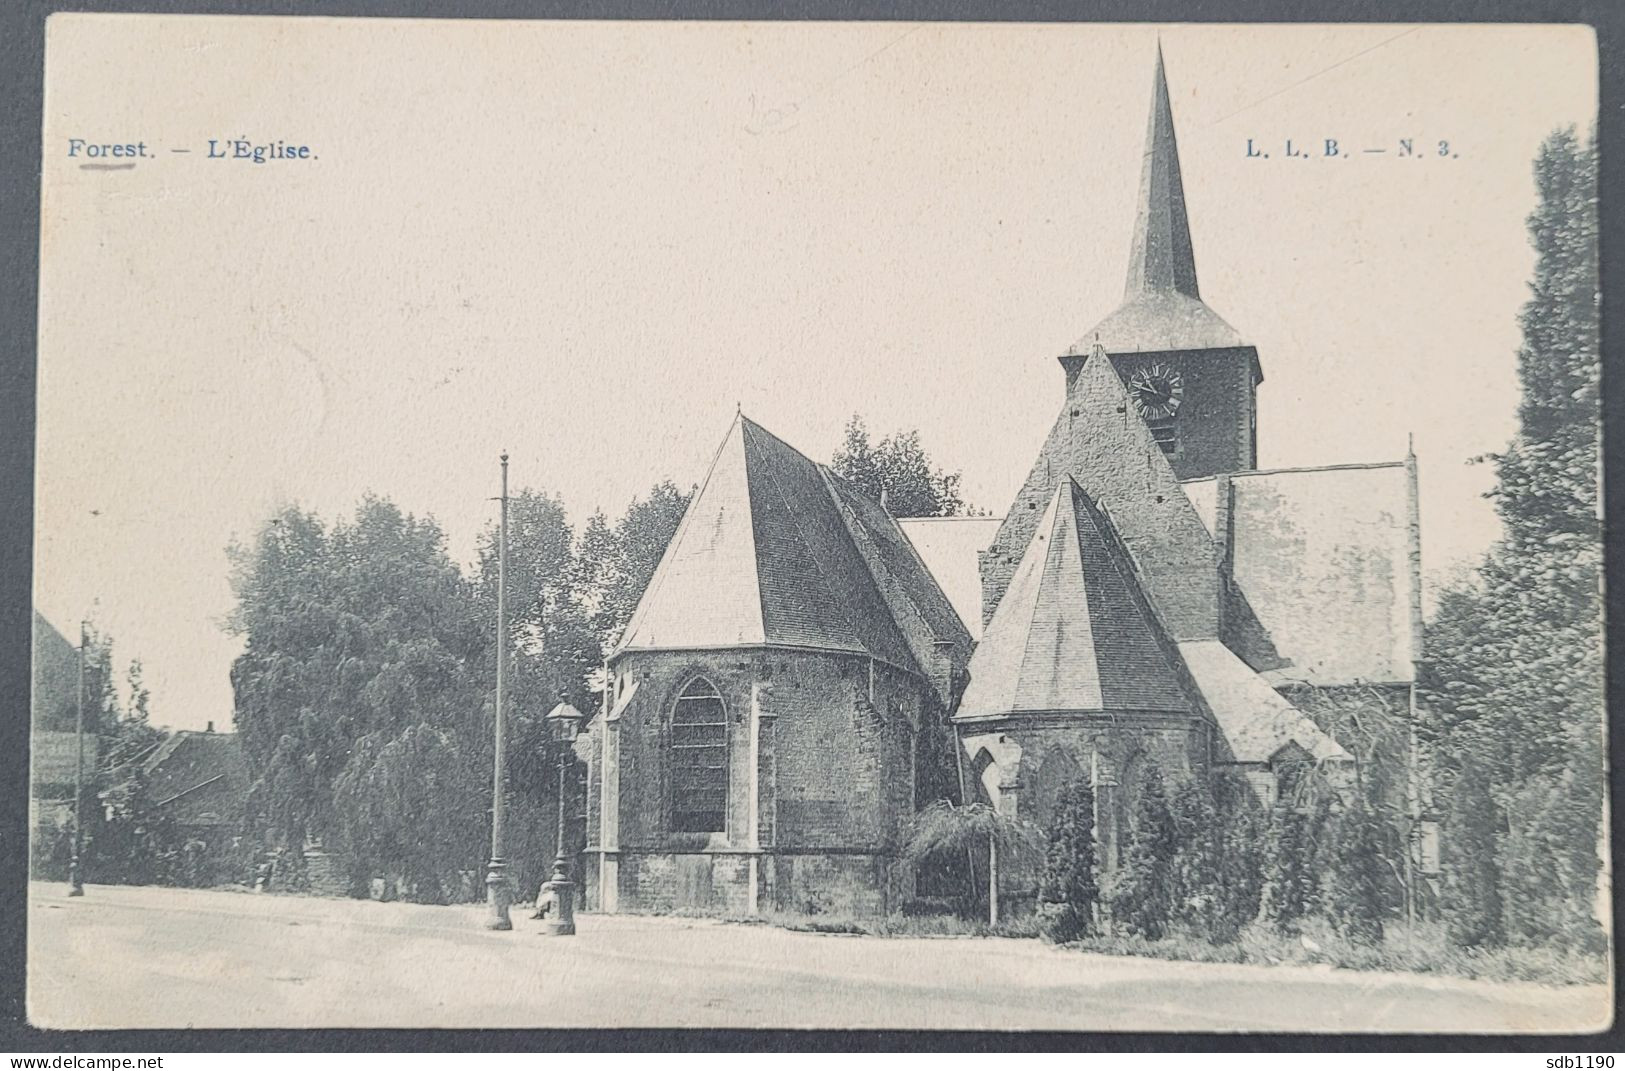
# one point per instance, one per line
(145, 957)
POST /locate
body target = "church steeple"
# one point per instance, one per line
(1192, 376)
(1161, 259)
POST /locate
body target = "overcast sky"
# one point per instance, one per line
(587, 242)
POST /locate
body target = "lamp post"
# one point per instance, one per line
(563, 723)
(496, 877)
(76, 877)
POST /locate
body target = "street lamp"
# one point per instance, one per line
(563, 724)
(496, 877)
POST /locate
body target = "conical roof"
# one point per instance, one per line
(1161, 258)
(1162, 307)
(1074, 632)
(765, 555)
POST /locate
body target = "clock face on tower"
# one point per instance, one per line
(1158, 392)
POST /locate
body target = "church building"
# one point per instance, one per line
(805, 672)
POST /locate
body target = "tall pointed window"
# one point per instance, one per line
(699, 758)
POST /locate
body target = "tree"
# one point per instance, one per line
(409, 811)
(1359, 893)
(359, 631)
(1472, 892)
(897, 468)
(949, 830)
(1296, 871)
(615, 564)
(1241, 832)
(1195, 892)
(1514, 673)
(1143, 896)
(1069, 889)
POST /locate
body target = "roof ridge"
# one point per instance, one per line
(823, 568)
(1045, 531)
(655, 581)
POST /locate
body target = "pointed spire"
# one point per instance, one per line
(1161, 259)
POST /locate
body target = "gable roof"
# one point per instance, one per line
(776, 550)
(1100, 440)
(55, 692)
(1324, 558)
(1073, 633)
(198, 776)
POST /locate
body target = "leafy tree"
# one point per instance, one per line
(1068, 890)
(1514, 671)
(950, 830)
(1472, 893)
(1142, 898)
(409, 810)
(898, 468)
(360, 630)
(615, 563)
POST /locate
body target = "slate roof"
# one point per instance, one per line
(1162, 306)
(948, 546)
(1100, 439)
(1074, 632)
(1254, 720)
(198, 776)
(1322, 556)
(776, 550)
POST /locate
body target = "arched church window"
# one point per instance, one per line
(699, 756)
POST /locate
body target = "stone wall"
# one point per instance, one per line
(1116, 747)
(823, 750)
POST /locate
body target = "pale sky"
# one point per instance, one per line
(587, 242)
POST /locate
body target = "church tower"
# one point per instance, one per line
(1191, 376)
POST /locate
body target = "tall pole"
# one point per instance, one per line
(496, 878)
(76, 878)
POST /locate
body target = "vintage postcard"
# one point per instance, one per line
(592, 524)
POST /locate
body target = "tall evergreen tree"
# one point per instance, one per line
(1297, 863)
(1195, 892)
(1359, 884)
(1472, 892)
(1515, 653)
(1142, 897)
(1069, 888)
(1241, 828)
